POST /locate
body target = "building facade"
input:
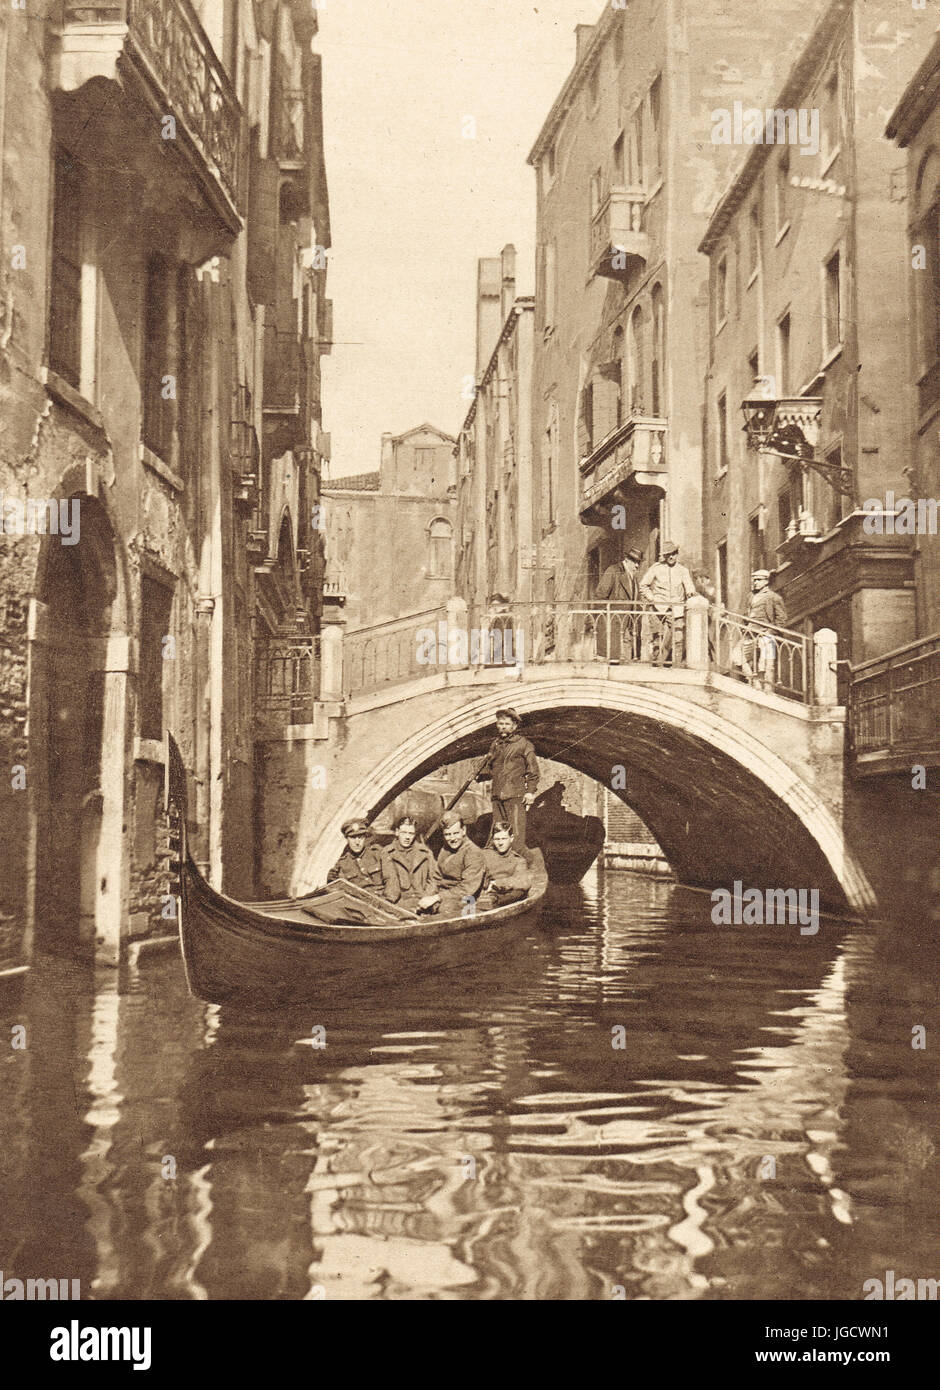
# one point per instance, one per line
(808, 290)
(494, 447)
(626, 169)
(915, 126)
(161, 202)
(390, 533)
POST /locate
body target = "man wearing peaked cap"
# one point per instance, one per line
(665, 587)
(359, 862)
(759, 651)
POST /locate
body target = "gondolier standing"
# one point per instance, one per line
(512, 764)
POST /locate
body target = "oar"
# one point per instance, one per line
(454, 799)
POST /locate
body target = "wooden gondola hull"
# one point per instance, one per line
(230, 957)
(277, 952)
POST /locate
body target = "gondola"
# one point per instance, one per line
(339, 939)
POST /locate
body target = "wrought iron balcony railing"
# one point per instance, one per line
(894, 709)
(172, 52)
(288, 679)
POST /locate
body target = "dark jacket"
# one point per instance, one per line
(407, 871)
(506, 871)
(461, 871)
(619, 585)
(512, 765)
(365, 870)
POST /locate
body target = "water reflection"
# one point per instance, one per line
(635, 1100)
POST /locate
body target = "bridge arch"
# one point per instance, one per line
(722, 804)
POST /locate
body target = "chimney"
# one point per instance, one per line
(508, 262)
(583, 33)
(489, 295)
(387, 479)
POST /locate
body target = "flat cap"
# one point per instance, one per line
(760, 574)
(356, 826)
(508, 714)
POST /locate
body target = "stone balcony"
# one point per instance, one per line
(632, 455)
(163, 44)
(619, 246)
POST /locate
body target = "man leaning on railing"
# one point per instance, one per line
(665, 587)
(756, 653)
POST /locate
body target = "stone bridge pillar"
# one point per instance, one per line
(696, 632)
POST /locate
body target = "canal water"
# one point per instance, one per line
(636, 1103)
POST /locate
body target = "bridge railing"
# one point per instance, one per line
(894, 707)
(778, 658)
(517, 634)
(392, 652)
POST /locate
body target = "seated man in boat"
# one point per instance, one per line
(359, 862)
(458, 880)
(508, 877)
(407, 868)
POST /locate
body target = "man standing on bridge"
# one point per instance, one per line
(619, 585)
(665, 587)
(765, 606)
(512, 765)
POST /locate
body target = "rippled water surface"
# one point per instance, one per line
(633, 1099)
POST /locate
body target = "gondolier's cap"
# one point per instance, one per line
(509, 714)
(450, 818)
(760, 574)
(356, 826)
(634, 555)
(670, 548)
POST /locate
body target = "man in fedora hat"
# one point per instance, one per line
(359, 862)
(619, 584)
(512, 764)
(665, 587)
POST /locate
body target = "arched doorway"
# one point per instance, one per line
(77, 726)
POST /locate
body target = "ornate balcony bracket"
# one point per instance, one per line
(619, 246)
(789, 429)
(633, 456)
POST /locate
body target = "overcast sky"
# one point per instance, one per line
(414, 203)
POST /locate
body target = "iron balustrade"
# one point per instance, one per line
(515, 635)
(738, 643)
(288, 678)
(894, 705)
(391, 652)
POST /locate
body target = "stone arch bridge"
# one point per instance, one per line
(735, 782)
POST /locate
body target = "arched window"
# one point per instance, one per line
(441, 547)
(658, 359)
(636, 362)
